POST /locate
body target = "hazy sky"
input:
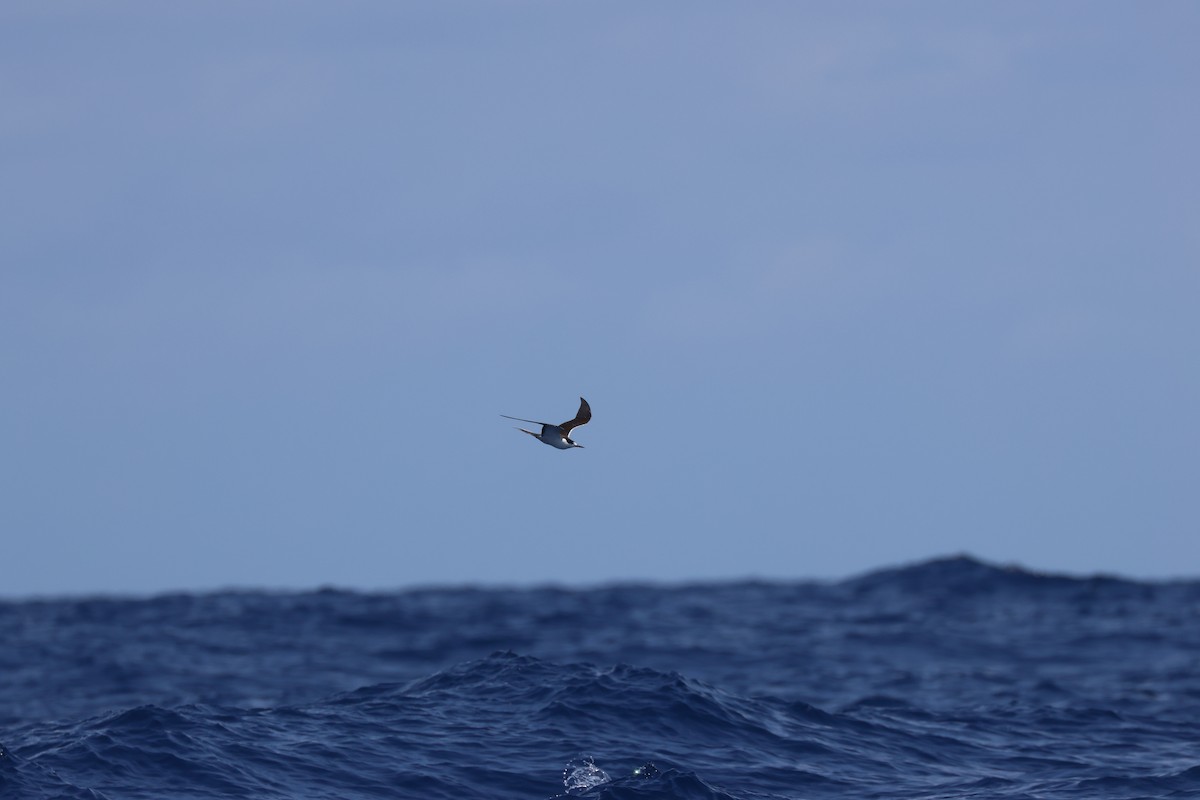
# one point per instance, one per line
(846, 285)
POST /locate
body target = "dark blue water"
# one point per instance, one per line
(951, 679)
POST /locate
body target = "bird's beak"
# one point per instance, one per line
(579, 445)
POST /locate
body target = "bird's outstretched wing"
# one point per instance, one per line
(530, 421)
(581, 417)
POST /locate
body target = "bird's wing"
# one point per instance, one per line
(530, 421)
(581, 417)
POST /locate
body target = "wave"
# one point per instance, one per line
(952, 678)
(498, 727)
(469, 731)
(965, 573)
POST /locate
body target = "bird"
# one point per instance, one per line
(558, 435)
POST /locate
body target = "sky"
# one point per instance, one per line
(846, 285)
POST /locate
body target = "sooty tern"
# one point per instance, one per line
(558, 435)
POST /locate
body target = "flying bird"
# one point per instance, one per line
(558, 435)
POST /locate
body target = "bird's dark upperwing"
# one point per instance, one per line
(581, 417)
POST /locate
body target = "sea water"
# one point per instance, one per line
(949, 679)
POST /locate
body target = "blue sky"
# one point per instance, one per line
(846, 285)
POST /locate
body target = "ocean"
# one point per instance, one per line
(946, 679)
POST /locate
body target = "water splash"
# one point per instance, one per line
(581, 774)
